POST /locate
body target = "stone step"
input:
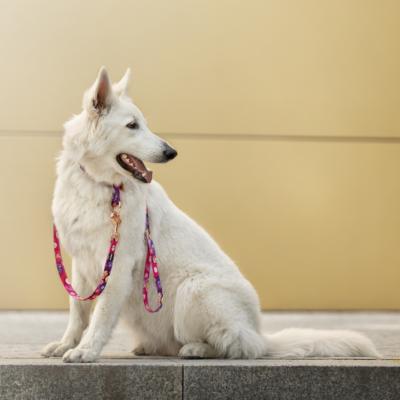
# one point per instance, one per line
(201, 379)
(120, 375)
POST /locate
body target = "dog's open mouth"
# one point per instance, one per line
(135, 166)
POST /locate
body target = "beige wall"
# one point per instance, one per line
(293, 105)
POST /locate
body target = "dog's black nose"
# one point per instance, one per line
(170, 153)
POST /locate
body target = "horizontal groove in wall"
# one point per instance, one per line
(232, 136)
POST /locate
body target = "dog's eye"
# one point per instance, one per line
(133, 125)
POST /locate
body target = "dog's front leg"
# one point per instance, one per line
(79, 312)
(105, 316)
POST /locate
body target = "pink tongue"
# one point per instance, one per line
(148, 175)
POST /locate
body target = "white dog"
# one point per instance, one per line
(210, 309)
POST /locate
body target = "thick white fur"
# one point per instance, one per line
(210, 309)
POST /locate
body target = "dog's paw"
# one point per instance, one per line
(197, 350)
(140, 351)
(80, 355)
(56, 349)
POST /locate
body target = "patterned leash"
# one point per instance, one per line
(150, 263)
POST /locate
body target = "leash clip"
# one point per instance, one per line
(116, 219)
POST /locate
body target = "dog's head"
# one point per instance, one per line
(110, 137)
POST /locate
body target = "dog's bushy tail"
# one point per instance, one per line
(300, 343)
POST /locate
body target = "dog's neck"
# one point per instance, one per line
(82, 168)
(69, 171)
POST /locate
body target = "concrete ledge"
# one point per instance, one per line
(201, 379)
(120, 375)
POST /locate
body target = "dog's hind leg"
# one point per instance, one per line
(214, 320)
(78, 317)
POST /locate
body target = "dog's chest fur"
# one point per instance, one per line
(81, 210)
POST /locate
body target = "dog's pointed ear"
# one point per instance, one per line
(99, 98)
(121, 88)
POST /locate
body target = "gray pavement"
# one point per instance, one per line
(24, 333)
(120, 375)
